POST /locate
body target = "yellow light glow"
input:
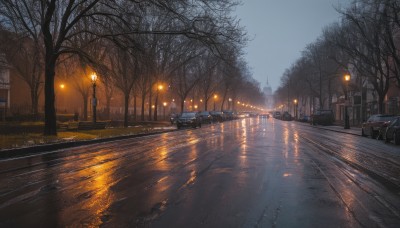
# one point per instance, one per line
(94, 77)
(295, 101)
(62, 86)
(201, 100)
(347, 77)
(195, 106)
(165, 104)
(160, 87)
(153, 106)
(215, 96)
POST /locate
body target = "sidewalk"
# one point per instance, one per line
(351, 131)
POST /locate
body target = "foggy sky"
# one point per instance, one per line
(280, 29)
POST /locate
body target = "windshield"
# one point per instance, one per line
(188, 115)
(384, 118)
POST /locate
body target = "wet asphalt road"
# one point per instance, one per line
(244, 173)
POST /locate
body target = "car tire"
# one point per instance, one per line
(380, 135)
(396, 137)
(373, 134)
(386, 138)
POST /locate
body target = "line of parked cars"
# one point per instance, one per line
(286, 116)
(196, 119)
(382, 126)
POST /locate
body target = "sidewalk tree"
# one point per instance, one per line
(57, 23)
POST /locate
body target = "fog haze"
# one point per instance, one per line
(280, 30)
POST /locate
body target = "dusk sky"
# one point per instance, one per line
(280, 30)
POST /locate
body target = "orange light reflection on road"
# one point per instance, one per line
(286, 141)
(98, 189)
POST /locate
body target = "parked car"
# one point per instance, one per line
(304, 119)
(264, 115)
(393, 131)
(173, 118)
(188, 119)
(277, 115)
(374, 124)
(206, 117)
(322, 117)
(229, 115)
(217, 116)
(286, 116)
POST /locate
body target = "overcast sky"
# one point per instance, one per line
(280, 30)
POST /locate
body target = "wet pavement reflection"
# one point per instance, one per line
(252, 172)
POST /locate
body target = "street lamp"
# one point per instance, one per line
(164, 105)
(94, 100)
(347, 78)
(215, 98)
(159, 88)
(295, 109)
(61, 101)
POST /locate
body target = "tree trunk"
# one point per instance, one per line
(85, 108)
(142, 111)
(150, 100)
(155, 107)
(381, 104)
(126, 111)
(134, 108)
(35, 104)
(182, 105)
(50, 123)
(50, 118)
(108, 105)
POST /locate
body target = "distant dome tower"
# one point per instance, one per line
(269, 99)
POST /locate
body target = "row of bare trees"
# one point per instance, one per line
(194, 46)
(365, 43)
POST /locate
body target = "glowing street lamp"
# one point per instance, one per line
(215, 98)
(347, 78)
(159, 88)
(295, 108)
(164, 105)
(94, 99)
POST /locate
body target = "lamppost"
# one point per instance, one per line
(347, 78)
(94, 100)
(164, 105)
(159, 88)
(215, 98)
(61, 101)
(295, 109)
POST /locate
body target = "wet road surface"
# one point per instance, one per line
(244, 173)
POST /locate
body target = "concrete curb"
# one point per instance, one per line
(331, 129)
(19, 152)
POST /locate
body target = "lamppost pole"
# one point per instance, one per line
(159, 88)
(295, 109)
(215, 98)
(347, 78)
(164, 105)
(94, 99)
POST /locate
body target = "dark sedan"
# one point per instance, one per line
(205, 117)
(217, 116)
(374, 124)
(393, 131)
(188, 119)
